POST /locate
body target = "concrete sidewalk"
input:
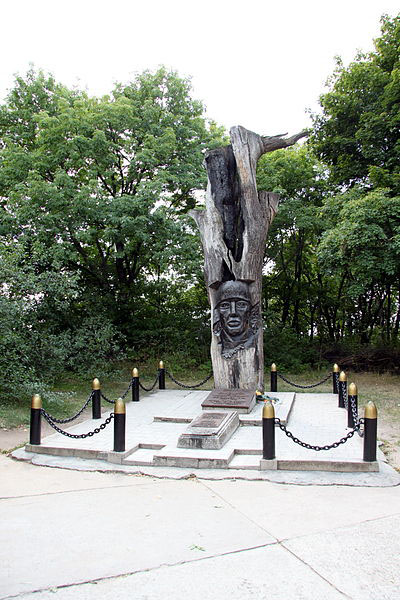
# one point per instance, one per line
(88, 535)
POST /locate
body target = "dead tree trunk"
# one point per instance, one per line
(233, 229)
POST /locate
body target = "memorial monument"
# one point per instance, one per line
(233, 229)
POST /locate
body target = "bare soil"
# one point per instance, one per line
(18, 436)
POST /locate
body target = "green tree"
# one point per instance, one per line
(357, 132)
(361, 246)
(93, 195)
(290, 256)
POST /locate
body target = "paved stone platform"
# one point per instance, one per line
(155, 424)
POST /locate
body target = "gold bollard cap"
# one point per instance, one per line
(273, 367)
(336, 368)
(161, 365)
(119, 407)
(36, 401)
(352, 391)
(95, 384)
(342, 376)
(268, 410)
(135, 372)
(370, 410)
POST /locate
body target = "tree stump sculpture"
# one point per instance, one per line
(233, 229)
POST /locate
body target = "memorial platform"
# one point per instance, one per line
(160, 419)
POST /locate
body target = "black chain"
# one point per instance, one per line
(304, 387)
(189, 387)
(344, 393)
(150, 389)
(336, 376)
(73, 435)
(69, 419)
(356, 418)
(342, 440)
(122, 397)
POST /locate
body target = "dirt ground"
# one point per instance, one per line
(19, 436)
(388, 435)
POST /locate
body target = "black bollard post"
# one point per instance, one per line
(335, 378)
(96, 399)
(161, 376)
(370, 432)
(274, 378)
(119, 425)
(135, 385)
(268, 430)
(35, 428)
(352, 400)
(342, 389)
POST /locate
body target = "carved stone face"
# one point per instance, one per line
(234, 315)
(235, 319)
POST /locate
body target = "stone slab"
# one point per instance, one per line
(282, 410)
(243, 401)
(340, 466)
(209, 430)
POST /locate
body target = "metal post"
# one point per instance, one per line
(96, 399)
(370, 432)
(335, 378)
(36, 412)
(119, 425)
(274, 378)
(342, 389)
(161, 376)
(135, 385)
(352, 400)
(268, 430)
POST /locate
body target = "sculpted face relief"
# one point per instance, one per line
(234, 315)
(235, 319)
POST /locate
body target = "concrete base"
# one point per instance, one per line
(268, 465)
(159, 420)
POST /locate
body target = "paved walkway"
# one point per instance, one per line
(89, 529)
(87, 535)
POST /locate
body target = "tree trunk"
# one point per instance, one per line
(233, 230)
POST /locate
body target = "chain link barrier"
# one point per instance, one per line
(343, 385)
(75, 435)
(336, 376)
(296, 440)
(69, 419)
(304, 387)
(354, 412)
(122, 397)
(189, 387)
(150, 389)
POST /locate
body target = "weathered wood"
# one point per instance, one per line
(233, 229)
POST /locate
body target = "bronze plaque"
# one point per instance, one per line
(229, 399)
(209, 420)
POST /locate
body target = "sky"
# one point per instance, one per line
(257, 63)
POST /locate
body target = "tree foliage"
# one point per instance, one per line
(94, 193)
(357, 132)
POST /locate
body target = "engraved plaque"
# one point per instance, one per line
(241, 400)
(209, 431)
(206, 420)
